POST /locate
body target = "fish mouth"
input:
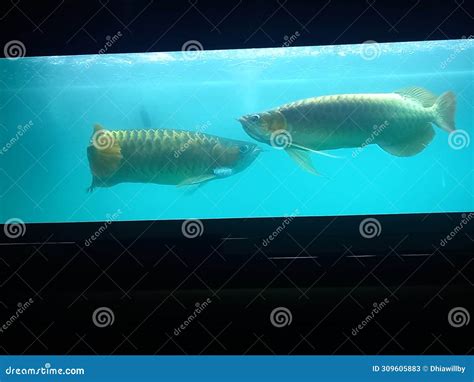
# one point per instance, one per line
(257, 150)
(249, 129)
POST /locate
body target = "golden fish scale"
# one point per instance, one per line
(169, 154)
(375, 104)
(349, 119)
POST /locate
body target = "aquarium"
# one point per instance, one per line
(238, 133)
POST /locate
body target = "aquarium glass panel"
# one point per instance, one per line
(305, 131)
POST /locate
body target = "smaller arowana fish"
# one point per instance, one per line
(164, 156)
(399, 122)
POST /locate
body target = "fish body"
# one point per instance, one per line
(399, 122)
(164, 156)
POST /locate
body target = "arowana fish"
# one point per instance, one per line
(399, 122)
(164, 156)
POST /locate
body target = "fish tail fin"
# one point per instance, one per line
(104, 152)
(445, 108)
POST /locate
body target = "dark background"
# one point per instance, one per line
(321, 269)
(72, 27)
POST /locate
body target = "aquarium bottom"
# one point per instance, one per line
(318, 288)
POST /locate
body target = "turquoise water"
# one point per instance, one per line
(44, 170)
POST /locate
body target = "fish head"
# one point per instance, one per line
(236, 155)
(248, 152)
(262, 126)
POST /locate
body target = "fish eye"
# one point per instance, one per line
(254, 118)
(244, 149)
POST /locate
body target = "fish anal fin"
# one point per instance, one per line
(411, 146)
(302, 159)
(423, 96)
(196, 180)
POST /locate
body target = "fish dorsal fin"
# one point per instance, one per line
(421, 95)
(98, 127)
(303, 159)
(413, 145)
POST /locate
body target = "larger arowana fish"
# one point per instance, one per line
(399, 122)
(164, 156)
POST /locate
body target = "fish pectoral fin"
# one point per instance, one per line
(196, 180)
(302, 159)
(421, 95)
(322, 153)
(412, 146)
